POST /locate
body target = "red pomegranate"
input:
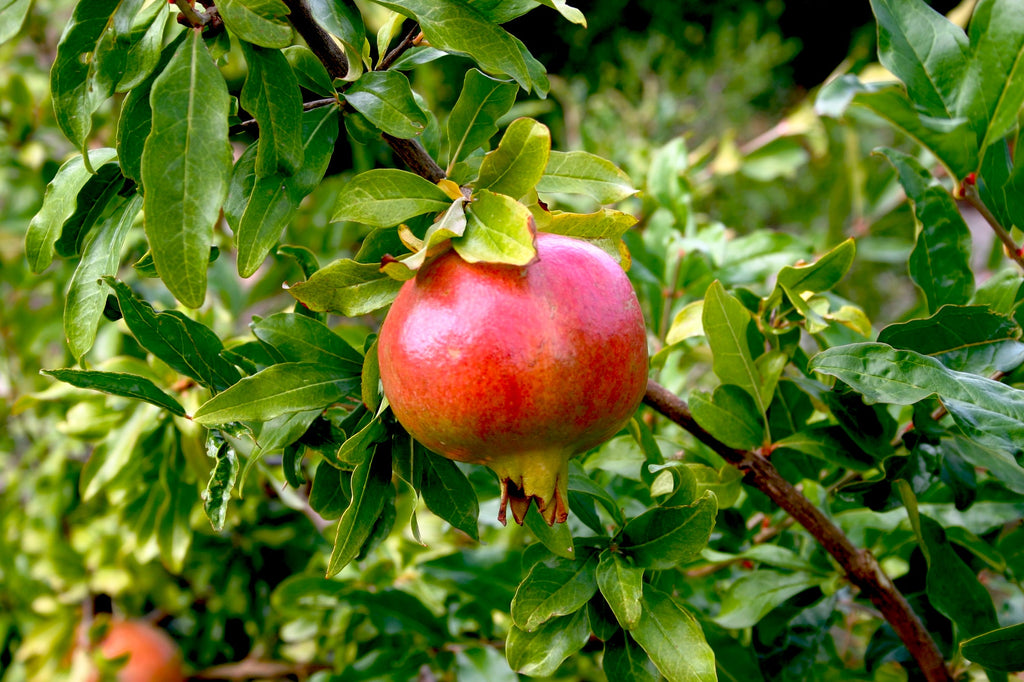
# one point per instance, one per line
(519, 368)
(152, 655)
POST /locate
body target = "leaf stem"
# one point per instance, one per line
(195, 19)
(970, 195)
(860, 565)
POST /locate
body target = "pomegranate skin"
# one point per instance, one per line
(153, 655)
(517, 368)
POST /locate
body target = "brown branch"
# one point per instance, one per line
(860, 565)
(969, 193)
(249, 668)
(410, 40)
(319, 40)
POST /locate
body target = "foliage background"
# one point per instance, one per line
(765, 183)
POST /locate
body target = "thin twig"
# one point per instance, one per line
(409, 41)
(189, 12)
(860, 565)
(970, 195)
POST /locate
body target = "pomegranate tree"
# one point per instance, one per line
(519, 368)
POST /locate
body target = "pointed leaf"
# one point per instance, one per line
(539, 653)
(59, 204)
(187, 346)
(259, 208)
(498, 231)
(146, 42)
(12, 16)
(186, 166)
(673, 639)
(473, 120)
(271, 94)
(385, 197)
(587, 174)
(386, 99)
(218, 489)
(300, 338)
(625, 661)
(460, 28)
(992, 88)
(969, 338)
(605, 223)
(986, 411)
(279, 389)
(664, 537)
(86, 69)
(725, 325)
(621, 586)
(449, 494)
(817, 277)
(348, 288)
(87, 295)
(752, 597)
(260, 22)
(940, 263)
(563, 587)
(120, 384)
(1001, 649)
(370, 482)
(518, 163)
(923, 49)
(730, 415)
(341, 18)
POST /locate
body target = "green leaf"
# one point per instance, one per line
(260, 22)
(498, 231)
(87, 295)
(119, 384)
(218, 489)
(587, 174)
(625, 661)
(187, 346)
(539, 653)
(1000, 462)
(1001, 649)
(460, 28)
(582, 484)
(952, 587)
(814, 278)
(449, 494)
(86, 69)
(992, 87)
(550, 590)
(110, 460)
(726, 322)
(664, 537)
(259, 208)
(279, 389)
(101, 191)
(621, 585)
(605, 223)
(347, 287)
(370, 482)
(451, 224)
(473, 120)
(59, 204)
(730, 415)
(341, 18)
(309, 71)
(940, 263)
(300, 338)
(327, 495)
(986, 411)
(951, 140)
(970, 339)
(827, 443)
(271, 94)
(923, 49)
(146, 43)
(567, 11)
(12, 16)
(384, 197)
(517, 164)
(673, 639)
(186, 166)
(556, 538)
(751, 597)
(386, 99)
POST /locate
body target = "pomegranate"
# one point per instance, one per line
(519, 368)
(152, 655)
